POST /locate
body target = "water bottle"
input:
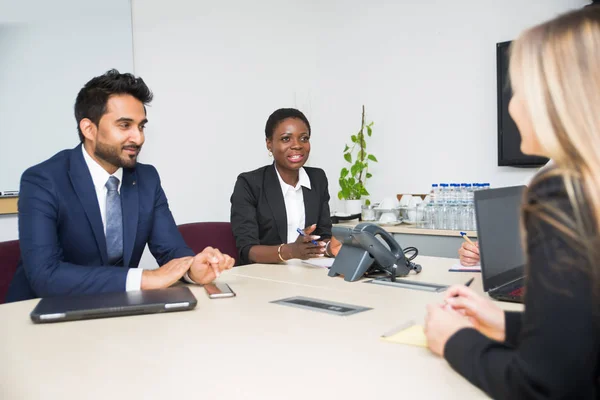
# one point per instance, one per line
(451, 207)
(429, 212)
(470, 209)
(440, 212)
(463, 222)
(454, 209)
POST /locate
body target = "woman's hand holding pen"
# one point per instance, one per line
(469, 253)
(463, 308)
(485, 316)
(304, 247)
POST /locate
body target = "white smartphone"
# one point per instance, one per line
(218, 290)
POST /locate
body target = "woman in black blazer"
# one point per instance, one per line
(552, 349)
(270, 203)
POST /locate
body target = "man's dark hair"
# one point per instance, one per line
(280, 115)
(92, 98)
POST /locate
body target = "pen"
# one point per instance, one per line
(301, 232)
(466, 284)
(464, 236)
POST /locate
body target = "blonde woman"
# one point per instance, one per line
(552, 349)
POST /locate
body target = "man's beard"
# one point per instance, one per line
(111, 155)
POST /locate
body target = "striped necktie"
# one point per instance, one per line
(114, 222)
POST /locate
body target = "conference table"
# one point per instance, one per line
(244, 347)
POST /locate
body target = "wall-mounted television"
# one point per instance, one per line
(509, 139)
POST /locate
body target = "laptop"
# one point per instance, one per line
(103, 305)
(498, 214)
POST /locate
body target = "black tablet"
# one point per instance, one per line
(103, 305)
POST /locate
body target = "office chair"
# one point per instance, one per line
(198, 235)
(10, 252)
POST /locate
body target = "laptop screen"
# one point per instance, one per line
(498, 214)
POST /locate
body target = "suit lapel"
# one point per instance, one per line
(130, 204)
(276, 202)
(84, 187)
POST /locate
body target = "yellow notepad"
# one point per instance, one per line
(412, 335)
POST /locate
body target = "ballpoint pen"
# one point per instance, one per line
(466, 284)
(464, 236)
(301, 232)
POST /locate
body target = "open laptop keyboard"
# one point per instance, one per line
(519, 292)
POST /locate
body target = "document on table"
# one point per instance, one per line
(323, 262)
(458, 267)
(409, 333)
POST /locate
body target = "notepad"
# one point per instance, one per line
(322, 262)
(458, 267)
(412, 335)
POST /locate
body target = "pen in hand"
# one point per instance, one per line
(466, 284)
(464, 236)
(301, 233)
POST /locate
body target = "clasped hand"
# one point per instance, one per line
(203, 268)
(463, 308)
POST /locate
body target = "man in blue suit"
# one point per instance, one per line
(86, 214)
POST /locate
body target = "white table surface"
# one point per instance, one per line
(238, 348)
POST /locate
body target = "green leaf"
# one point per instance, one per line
(351, 182)
(353, 138)
(346, 148)
(369, 130)
(363, 191)
(347, 194)
(369, 175)
(353, 170)
(344, 173)
(367, 202)
(348, 157)
(372, 157)
(340, 195)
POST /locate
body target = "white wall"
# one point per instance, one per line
(424, 69)
(48, 50)
(426, 72)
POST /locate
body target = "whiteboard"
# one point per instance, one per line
(48, 51)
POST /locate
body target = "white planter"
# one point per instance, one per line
(353, 206)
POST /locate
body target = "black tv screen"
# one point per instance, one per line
(509, 139)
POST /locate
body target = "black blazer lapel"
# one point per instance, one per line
(130, 205)
(84, 187)
(275, 200)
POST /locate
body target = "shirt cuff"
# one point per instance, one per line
(134, 279)
(186, 277)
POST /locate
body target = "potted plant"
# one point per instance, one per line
(354, 177)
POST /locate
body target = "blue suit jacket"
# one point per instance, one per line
(63, 246)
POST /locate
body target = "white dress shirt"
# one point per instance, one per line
(99, 178)
(294, 203)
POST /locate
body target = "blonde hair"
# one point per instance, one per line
(555, 66)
